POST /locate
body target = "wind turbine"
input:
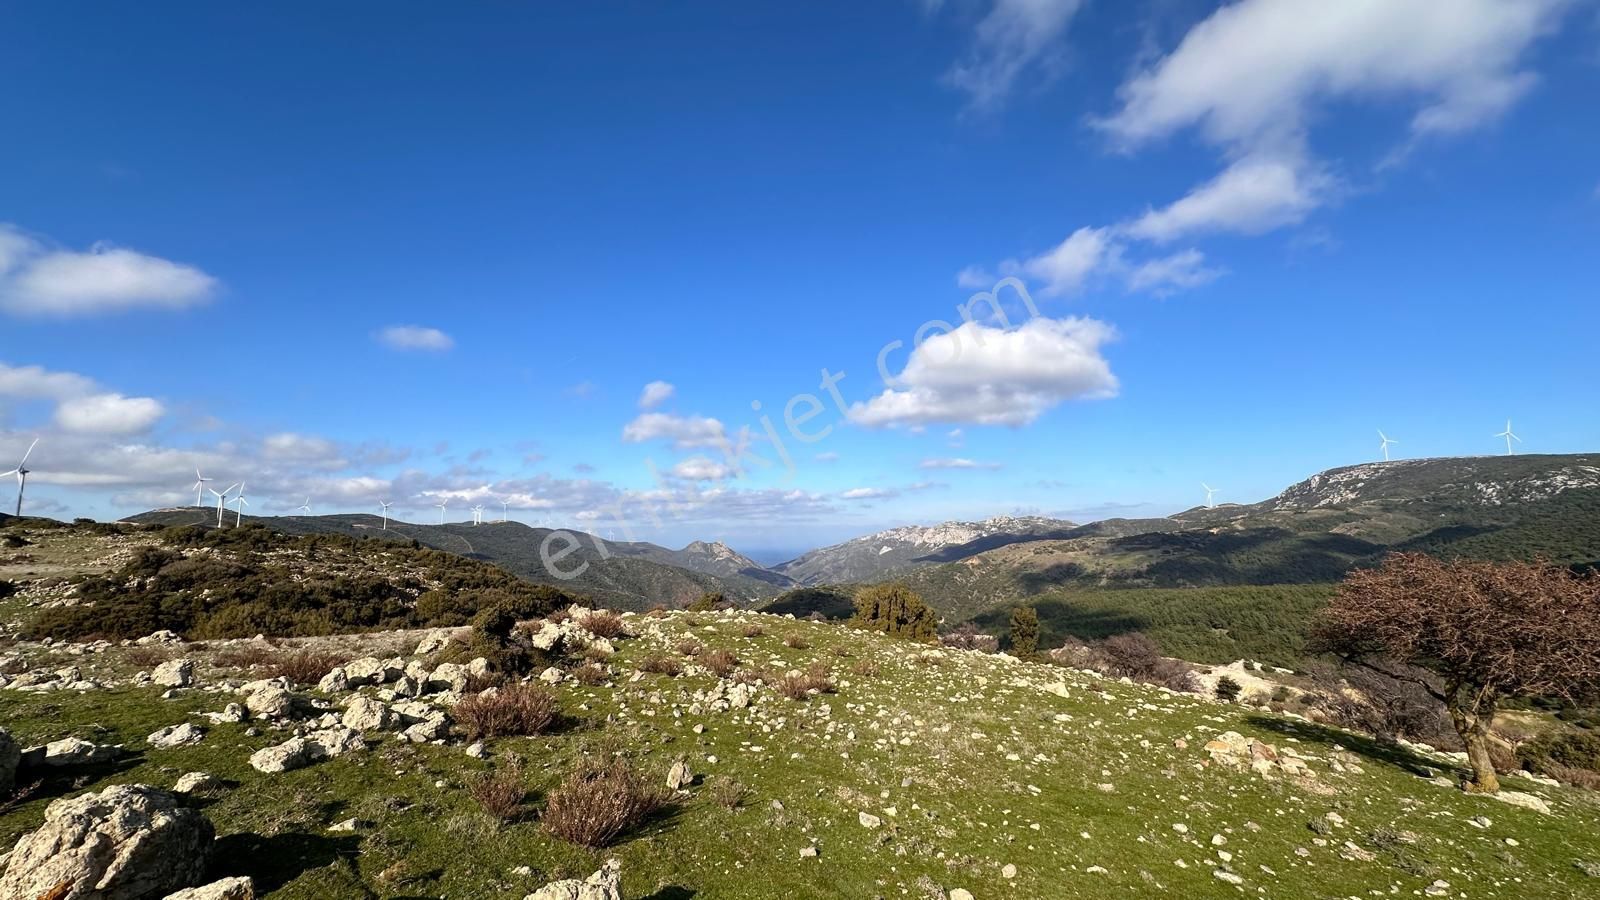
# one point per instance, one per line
(1385, 441)
(220, 500)
(199, 485)
(505, 509)
(385, 504)
(238, 511)
(1509, 436)
(442, 504)
(306, 506)
(21, 471)
(477, 514)
(1209, 491)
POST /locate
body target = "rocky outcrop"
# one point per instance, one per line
(174, 673)
(240, 888)
(605, 884)
(176, 736)
(128, 842)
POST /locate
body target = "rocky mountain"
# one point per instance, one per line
(873, 556)
(1313, 532)
(713, 558)
(624, 575)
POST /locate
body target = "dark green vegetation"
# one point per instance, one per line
(633, 576)
(238, 582)
(827, 602)
(896, 611)
(1206, 625)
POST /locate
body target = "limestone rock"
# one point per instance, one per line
(128, 842)
(174, 673)
(238, 888)
(367, 714)
(196, 782)
(679, 776)
(176, 736)
(605, 884)
(71, 752)
(335, 681)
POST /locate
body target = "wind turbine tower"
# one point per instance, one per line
(221, 500)
(239, 504)
(442, 504)
(199, 485)
(1509, 436)
(21, 471)
(1209, 491)
(385, 504)
(306, 506)
(1384, 442)
(505, 510)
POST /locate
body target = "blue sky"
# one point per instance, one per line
(1254, 234)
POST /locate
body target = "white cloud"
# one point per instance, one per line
(956, 463)
(655, 393)
(1013, 36)
(108, 414)
(1255, 194)
(863, 493)
(33, 382)
(827, 456)
(1068, 267)
(683, 431)
(975, 278)
(36, 279)
(288, 447)
(1167, 274)
(415, 337)
(700, 468)
(993, 376)
(1249, 75)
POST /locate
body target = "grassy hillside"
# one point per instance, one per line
(619, 574)
(919, 774)
(1207, 625)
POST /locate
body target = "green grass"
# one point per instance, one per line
(982, 764)
(1207, 625)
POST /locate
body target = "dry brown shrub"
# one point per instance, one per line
(727, 792)
(602, 623)
(600, 801)
(720, 662)
(518, 709)
(689, 647)
(590, 673)
(796, 642)
(751, 676)
(305, 666)
(754, 631)
(246, 657)
(500, 792)
(866, 668)
(661, 664)
(657, 611)
(148, 657)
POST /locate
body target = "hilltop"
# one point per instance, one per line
(626, 575)
(874, 556)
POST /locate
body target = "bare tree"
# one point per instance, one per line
(1488, 630)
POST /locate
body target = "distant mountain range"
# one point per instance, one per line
(1312, 532)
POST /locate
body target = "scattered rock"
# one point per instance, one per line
(1518, 798)
(70, 752)
(679, 776)
(176, 736)
(868, 820)
(605, 884)
(366, 714)
(335, 681)
(197, 782)
(239, 888)
(174, 673)
(128, 842)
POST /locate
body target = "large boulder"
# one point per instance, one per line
(181, 735)
(271, 701)
(128, 842)
(370, 670)
(10, 758)
(605, 884)
(448, 677)
(174, 673)
(70, 752)
(367, 714)
(299, 752)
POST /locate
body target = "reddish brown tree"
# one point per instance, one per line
(1487, 630)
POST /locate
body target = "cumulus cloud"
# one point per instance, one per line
(111, 414)
(415, 337)
(700, 468)
(38, 279)
(995, 376)
(654, 394)
(957, 462)
(1069, 266)
(684, 432)
(1012, 37)
(863, 493)
(1253, 195)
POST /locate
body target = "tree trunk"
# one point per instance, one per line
(1471, 725)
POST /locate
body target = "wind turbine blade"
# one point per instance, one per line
(29, 453)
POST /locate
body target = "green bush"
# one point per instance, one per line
(1228, 690)
(710, 601)
(1564, 749)
(896, 610)
(1024, 632)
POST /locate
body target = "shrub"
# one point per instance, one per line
(754, 631)
(896, 610)
(514, 710)
(1561, 750)
(1024, 632)
(866, 668)
(689, 647)
(148, 657)
(246, 657)
(800, 685)
(500, 792)
(8, 588)
(600, 801)
(968, 637)
(720, 662)
(1228, 690)
(590, 673)
(661, 664)
(728, 793)
(305, 666)
(796, 642)
(710, 601)
(602, 623)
